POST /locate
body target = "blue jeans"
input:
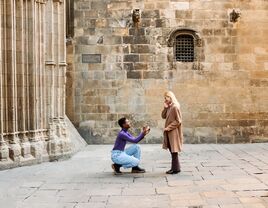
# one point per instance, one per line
(128, 158)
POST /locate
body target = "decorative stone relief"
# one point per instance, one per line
(235, 15)
(136, 17)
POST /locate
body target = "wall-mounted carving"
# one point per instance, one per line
(136, 17)
(235, 15)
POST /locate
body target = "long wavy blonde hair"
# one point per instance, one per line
(172, 97)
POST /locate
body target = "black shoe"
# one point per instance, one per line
(137, 169)
(116, 168)
(173, 172)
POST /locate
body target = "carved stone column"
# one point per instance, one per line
(33, 95)
(52, 78)
(40, 12)
(32, 81)
(21, 64)
(63, 65)
(3, 145)
(11, 70)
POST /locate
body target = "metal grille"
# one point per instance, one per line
(184, 48)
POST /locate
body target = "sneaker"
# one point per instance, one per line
(116, 168)
(137, 169)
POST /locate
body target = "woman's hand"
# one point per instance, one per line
(166, 105)
(166, 129)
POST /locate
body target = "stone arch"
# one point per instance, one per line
(183, 31)
(198, 44)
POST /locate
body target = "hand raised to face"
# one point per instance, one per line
(165, 105)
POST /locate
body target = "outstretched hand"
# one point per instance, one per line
(145, 130)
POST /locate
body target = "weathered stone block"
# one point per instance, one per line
(131, 58)
(183, 5)
(140, 66)
(141, 39)
(128, 66)
(150, 14)
(128, 39)
(179, 14)
(140, 49)
(136, 31)
(111, 40)
(98, 5)
(153, 75)
(134, 75)
(161, 23)
(110, 75)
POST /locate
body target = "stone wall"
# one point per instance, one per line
(223, 93)
(32, 82)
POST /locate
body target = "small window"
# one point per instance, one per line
(184, 48)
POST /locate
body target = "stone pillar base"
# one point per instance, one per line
(7, 164)
(55, 146)
(26, 150)
(36, 150)
(4, 152)
(15, 152)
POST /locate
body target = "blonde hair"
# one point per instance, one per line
(172, 97)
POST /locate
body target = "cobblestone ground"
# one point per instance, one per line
(213, 176)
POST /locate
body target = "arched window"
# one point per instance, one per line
(187, 45)
(184, 48)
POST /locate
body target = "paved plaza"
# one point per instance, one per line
(213, 176)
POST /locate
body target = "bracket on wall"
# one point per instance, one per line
(136, 16)
(235, 15)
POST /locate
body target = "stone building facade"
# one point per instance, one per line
(32, 82)
(125, 54)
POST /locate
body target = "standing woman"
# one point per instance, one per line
(173, 137)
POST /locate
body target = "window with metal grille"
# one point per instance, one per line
(184, 48)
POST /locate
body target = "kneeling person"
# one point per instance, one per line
(130, 157)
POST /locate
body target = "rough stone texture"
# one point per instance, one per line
(32, 82)
(223, 93)
(213, 176)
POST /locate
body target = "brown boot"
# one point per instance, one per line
(175, 165)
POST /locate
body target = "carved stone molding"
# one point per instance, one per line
(41, 1)
(183, 31)
(59, 1)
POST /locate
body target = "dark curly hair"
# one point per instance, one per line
(122, 121)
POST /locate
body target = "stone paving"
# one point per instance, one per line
(213, 176)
